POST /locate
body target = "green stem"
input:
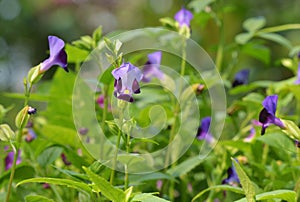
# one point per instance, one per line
(220, 51)
(280, 28)
(112, 174)
(126, 178)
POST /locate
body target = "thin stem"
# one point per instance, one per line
(112, 174)
(220, 51)
(280, 28)
(126, 178)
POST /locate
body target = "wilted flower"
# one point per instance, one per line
(241, 78)
(267, 114)
(232, 177)
(203, 133)
(65, 160)
(183, 17)
(9, 159)
(126, 84)
(151, 68)
(58, 56)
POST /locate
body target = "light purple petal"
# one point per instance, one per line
(298, 74)
(183, 17)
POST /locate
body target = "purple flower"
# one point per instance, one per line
(30, 135)
(251, 135)
(83, 131)
(298, 73)
(241, 78)
(267, 114)
(126, 84)
(9, 159)
(232, 177)
(183, 17)
(31, 110)
(58, 56)
(151, 68)
(100, 102)
(65, 160)
(203, 133)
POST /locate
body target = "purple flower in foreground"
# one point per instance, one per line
(203, 133)
(58, 56)
(267, 114)
(126, 84)
(241, 78)
(9, 159)
(183, 17)
(151, 68)
(232, 177)
(298, 73)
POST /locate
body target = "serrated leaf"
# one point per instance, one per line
(37, 198)
(49, 155)
(254, 24)
(276, 38)
(200, 5)
(246, 183)
(58, 181)
(109, 191)
(243, 38)
(220, 187)
(148, 197)
(185, 166)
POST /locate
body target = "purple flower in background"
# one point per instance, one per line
(151, 68)
(241, 78)
(232, 177)
(267, 114)
(9, 159)
(83, 131)
(298, 73)
(58, 56)
(251, 135)
(65, 160)
(183, 17)
(100, 102)
(30, 135)
(159, 184)
(126, 84)
(203, 133)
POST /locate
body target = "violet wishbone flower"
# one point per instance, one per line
(203, 133)
(151, 68)
(232, 177)
(267, 114)
(58, 56)
(9, 159)
(241, 78)
(126, 84)
(183, 17)
(298, 72)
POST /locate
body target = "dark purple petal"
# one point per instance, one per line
(126, 97)
(9, 159)
(241, 78)
(183, 17)
(65, 160)
(58, 56)
(31, 110)
(203, 133)
(136, 87)
(232, 177)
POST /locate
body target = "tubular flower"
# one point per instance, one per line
(203, 133)
(183, 17)
(267, 114)
(126, 84)
(58, 56)
(9, 159)
(151, 68)
(232, 177)
(241, 78)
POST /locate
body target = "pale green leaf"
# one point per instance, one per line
(37, 198)
(200, 5)
(185, 166)
(148, 197)
(254, 24)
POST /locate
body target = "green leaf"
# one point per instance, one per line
(246, 183)
(279, 141)
(128, 193)
(49, 155)
(200, 5)
(257, 51)
(243, 38)
(185, 166)
(220, 187)
(148, 197)
(37, 198)
(75, 54)
(97, 34)
(250, 87)
(109, 191)
(58, 181)
(276, 38)
(254, 24)
(292, 130)
(286, 195)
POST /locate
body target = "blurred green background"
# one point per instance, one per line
(25, 25)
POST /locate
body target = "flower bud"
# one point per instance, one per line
(23, 116)
(6, 133)
(34, 74)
